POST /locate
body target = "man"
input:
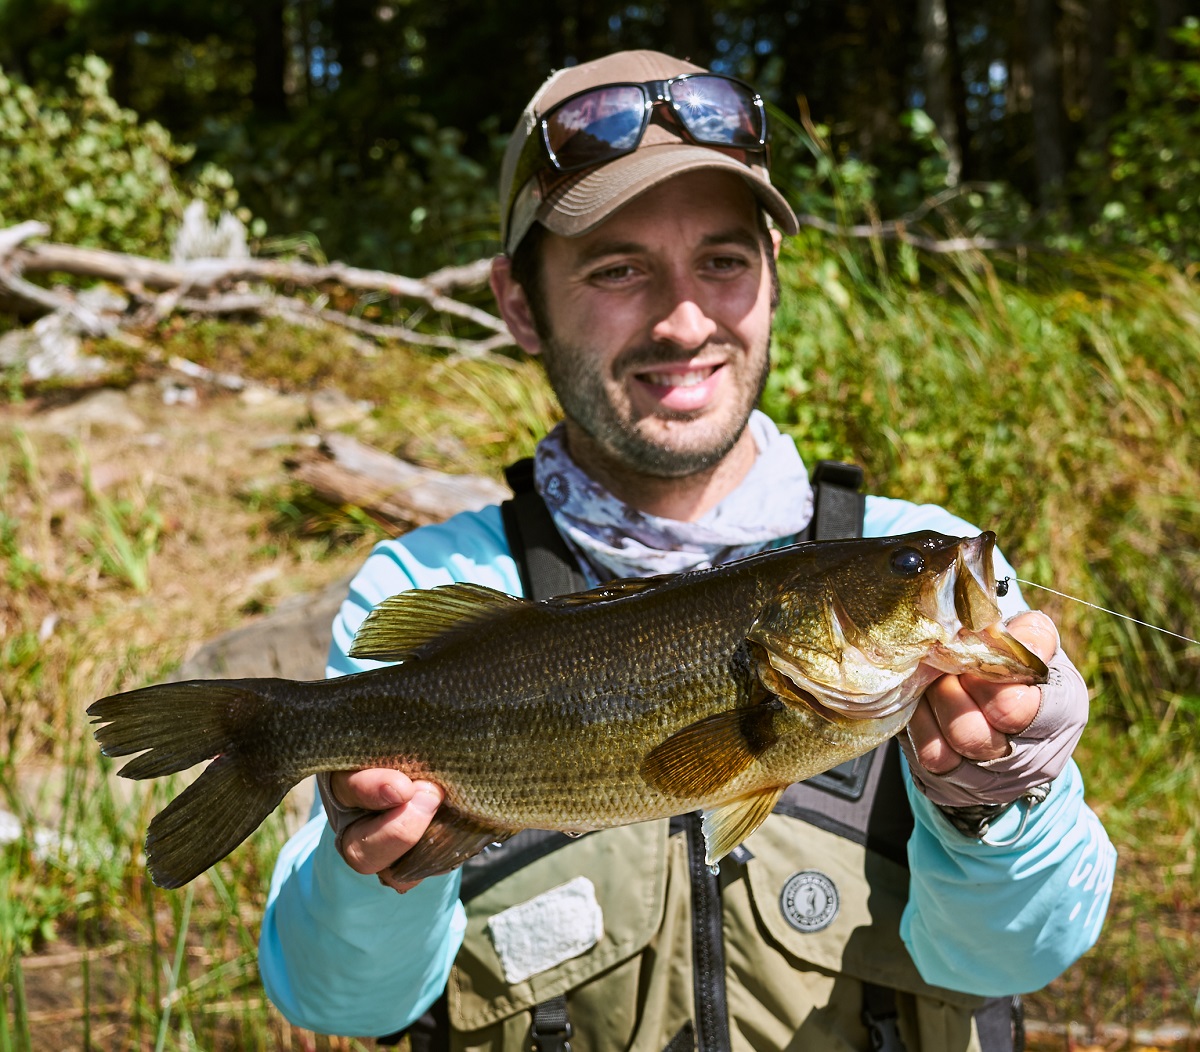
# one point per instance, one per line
(640, 232)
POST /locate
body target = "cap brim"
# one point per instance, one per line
(585, 203)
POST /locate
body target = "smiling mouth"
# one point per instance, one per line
(677, 378)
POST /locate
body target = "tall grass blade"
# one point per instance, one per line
(177, 966)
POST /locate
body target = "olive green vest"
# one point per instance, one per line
(806, 919)
(794, 944)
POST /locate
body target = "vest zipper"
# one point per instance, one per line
(708, 947)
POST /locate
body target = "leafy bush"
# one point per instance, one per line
(1144, 182)
(406, 199)
(92, 171)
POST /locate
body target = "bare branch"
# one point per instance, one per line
(218, 286)
(298, 311)
(17, 235)
(208, 275)
(897, 230)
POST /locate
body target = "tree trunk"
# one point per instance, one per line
(1101, 88)
(1045, 81)
(934, 22)
(270, 60)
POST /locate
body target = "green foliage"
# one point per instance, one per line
(822, 176)
(91, 170)
(1144, 181)
(408, 199)
(1051, 410)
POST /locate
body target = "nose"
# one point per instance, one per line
(685, 323)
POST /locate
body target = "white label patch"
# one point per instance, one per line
(550, 928)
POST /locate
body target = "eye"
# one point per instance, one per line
(908, 562)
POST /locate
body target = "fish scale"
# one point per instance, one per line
(644, 698)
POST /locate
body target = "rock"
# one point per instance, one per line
(293, 642)
(105, 408)
(49, 350)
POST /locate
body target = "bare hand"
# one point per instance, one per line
(968, 717)
(405, 809)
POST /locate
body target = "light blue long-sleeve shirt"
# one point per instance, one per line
(341, 954)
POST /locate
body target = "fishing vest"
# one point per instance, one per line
(624, 938)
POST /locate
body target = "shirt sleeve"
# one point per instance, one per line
(1045, 873)
(339, 953)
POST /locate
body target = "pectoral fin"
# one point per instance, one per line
(703, 758)
(450, 840)
(727, 826)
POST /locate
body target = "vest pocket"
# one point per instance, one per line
(833, 904)
(628, 870)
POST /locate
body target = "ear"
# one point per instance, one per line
(776, 239)
(514, 306)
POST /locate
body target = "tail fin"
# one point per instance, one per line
(182, 724)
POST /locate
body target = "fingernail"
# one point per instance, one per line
(426, 798)
(391, 794)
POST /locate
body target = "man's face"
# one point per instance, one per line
(657, 326)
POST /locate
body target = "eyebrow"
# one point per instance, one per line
(735, 235)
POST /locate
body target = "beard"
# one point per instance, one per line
(595, 401)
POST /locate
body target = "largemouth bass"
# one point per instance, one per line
(643, 698)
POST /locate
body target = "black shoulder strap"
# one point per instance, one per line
(838, 501)
(544, 562)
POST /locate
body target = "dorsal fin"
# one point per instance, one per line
(406, 625)
(619, 589)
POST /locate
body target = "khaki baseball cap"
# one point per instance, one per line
(579, 202)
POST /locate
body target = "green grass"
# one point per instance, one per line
(1047, 399)
(1057, 410)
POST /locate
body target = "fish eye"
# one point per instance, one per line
(908, 562)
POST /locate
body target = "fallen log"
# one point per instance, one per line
(342, 470)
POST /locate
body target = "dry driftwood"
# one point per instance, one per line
(345, 471)
(260, 287)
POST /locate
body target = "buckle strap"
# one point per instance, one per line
(881, 1019)
(551, 1029)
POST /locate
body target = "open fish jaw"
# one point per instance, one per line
(955, 629)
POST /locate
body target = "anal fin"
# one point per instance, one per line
(727, 826)
(450, 840)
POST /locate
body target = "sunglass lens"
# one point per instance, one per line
(596, 126)
(718, 112)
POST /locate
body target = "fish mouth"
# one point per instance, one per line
(991, 651)
(975, 583)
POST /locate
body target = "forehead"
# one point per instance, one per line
(694, 206)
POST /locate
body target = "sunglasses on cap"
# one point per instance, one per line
(600, 124)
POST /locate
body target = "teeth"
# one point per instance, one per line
(688, 379)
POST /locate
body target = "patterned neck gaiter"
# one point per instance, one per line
(773, 503)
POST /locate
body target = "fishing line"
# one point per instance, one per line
(1002, 589)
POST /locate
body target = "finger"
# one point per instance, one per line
(374, 843)
(1036, 631)
(1012, 707)
(929, 744)
(1008, 707)
(966, 728)
(375, 789)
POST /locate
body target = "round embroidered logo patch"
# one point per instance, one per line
(809, 901)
